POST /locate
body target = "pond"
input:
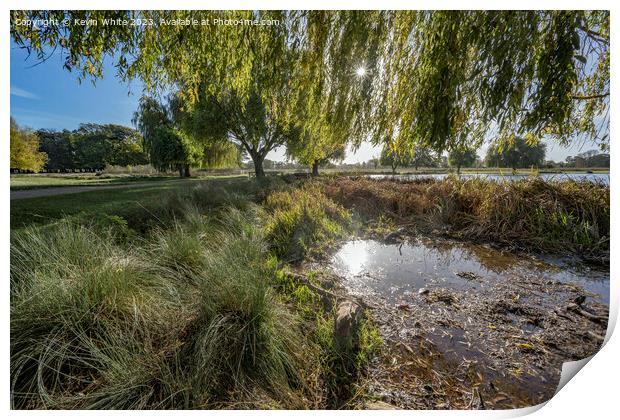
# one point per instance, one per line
(464, 318)
(576, 176)
(391, 269)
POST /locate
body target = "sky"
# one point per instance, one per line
(45, 95)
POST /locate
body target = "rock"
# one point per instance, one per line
(441, 295)
(423, 291)
(380, 405)
(348, 315)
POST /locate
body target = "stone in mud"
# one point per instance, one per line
(348, 315)
(423, 291)
(579, 300)
(441, 295)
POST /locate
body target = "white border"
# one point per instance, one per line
(591, 394)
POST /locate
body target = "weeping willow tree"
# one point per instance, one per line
(315, 150)
(170, 146)
(440, 79)
(300, 65)
(338, 56)
(452, 78)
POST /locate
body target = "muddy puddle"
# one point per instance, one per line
(468, 326)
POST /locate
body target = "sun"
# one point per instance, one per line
(360, 71)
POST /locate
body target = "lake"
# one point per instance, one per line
(576, 176)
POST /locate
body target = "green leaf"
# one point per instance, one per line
(576, 41)
(581, 58)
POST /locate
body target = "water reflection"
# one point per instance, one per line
(353, 257)
(602, 178)
(485, 319)
(388, 269)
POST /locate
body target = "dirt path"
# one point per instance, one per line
(48, 192)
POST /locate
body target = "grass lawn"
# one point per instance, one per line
(121, 201)
(45, 210)
(27, 182)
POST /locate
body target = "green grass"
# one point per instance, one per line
(132, 202)
(304, 220)
(187, 319)
(189, 313)
(29, 182)
(46, 210)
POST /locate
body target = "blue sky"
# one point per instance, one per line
(48, 96)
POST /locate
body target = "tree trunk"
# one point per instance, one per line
(186, 173)
(258, 166)
(458, 169)
(315, 168)
(394, 169)
(180, 171)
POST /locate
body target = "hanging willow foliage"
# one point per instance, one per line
(444, 79)
(457, 77)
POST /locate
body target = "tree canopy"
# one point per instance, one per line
(516, 152)
(462, 157)
(91, 146)
(253, 126)
(170, 142)
(441, 79)
(481, 73)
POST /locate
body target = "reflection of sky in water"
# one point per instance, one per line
(391, 269)
(602, 178)
(353, 256)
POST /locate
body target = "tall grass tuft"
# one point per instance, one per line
(244, 337)
(187, 319)
(302, 220)
(75, 296)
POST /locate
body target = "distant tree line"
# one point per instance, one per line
(91, 147)
(589, 159)
(516, 152)
(395, 157)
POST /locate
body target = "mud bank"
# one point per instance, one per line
(468, 326)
